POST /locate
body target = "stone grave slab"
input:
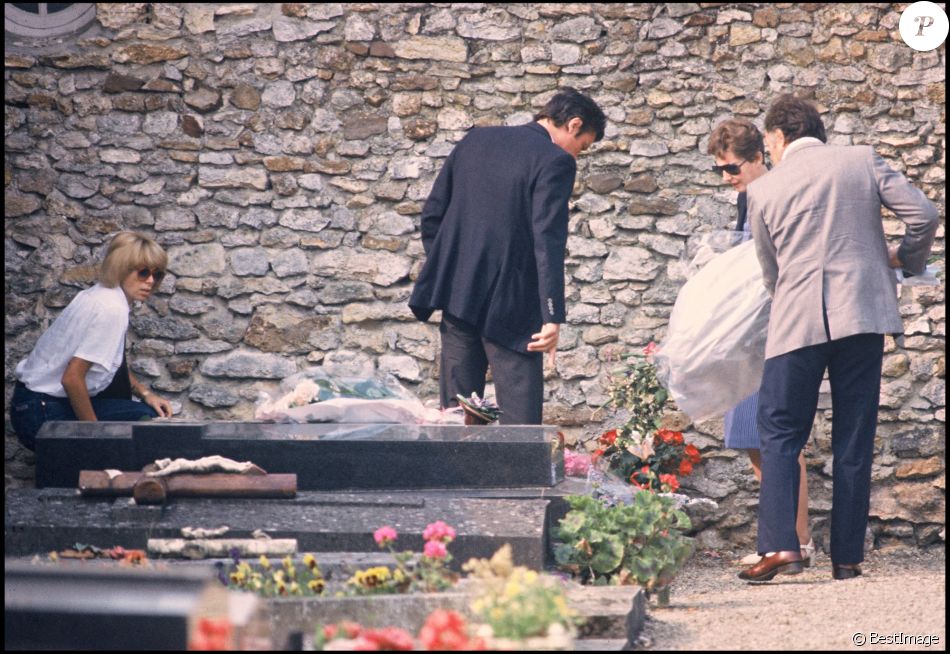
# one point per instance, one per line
(323, 456)
(40, 520)
(612, 612)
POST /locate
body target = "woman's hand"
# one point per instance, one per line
(162, 406)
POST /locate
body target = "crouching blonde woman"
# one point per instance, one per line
(78, 370)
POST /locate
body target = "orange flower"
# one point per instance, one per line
(671, 481)
(685, 468)
(677, 438)
(596, 455)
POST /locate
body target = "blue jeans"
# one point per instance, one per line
(29, 410)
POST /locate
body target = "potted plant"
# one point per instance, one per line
(640, 543)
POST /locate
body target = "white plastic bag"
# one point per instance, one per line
(714, 350)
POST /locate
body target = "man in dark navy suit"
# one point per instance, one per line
(494, 231)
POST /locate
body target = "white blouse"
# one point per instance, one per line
(92, 327)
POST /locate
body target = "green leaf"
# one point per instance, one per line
(572, 524)
(563, 553)
(608, 554)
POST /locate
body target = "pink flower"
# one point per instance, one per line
(435, 550)
(384, 535)
(576, 465)
(439, 531)
(650, 349)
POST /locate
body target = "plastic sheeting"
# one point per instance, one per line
(714, 351)
(315, 396)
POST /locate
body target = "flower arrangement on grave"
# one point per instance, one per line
(412, 573)
(639, 543)
(639, 451)
(269, 580)
(516, 604)
(118, 553)
(482, 410)
(443, 631)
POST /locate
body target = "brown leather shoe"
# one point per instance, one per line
(780, 563)
(845, 571)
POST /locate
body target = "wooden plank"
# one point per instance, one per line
(97, 482)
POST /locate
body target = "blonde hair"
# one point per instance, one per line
(130, 251)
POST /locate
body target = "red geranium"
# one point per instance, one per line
(388, 639)
(693, 453)
(608, 437)
(685, 468)
(671, 481)
(444, 630)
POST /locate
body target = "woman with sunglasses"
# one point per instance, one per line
(77, 370)
(739, 151)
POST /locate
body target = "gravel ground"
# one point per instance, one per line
(900, 596)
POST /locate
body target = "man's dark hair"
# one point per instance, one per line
(796, 118)
(570, 103)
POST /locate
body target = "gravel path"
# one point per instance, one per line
(901, 592)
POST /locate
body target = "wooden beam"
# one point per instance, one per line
(98, 482)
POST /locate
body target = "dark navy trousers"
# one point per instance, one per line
(788, 399)
(464, 361)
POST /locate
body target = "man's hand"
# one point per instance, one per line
(892, 260)
(546, 339)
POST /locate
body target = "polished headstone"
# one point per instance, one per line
(323, 456)
(68, 607)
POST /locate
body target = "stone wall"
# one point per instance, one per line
(282, 154)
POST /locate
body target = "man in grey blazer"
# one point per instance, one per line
(816, 222)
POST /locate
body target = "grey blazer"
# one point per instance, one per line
(816, 222)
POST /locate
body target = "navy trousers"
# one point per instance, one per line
(788, 399)
(518, 377)
(29, 410)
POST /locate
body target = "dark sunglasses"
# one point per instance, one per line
(157, 275)
(732, 169)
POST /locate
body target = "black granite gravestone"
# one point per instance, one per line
(69, 607)
(323, 456)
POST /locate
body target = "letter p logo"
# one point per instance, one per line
(925, 21)
(923, 26)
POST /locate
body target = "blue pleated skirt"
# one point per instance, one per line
(740, 427)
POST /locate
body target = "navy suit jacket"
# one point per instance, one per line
(494, 231)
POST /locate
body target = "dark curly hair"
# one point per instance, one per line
(796, 118)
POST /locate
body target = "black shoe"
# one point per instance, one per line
(845, 571)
